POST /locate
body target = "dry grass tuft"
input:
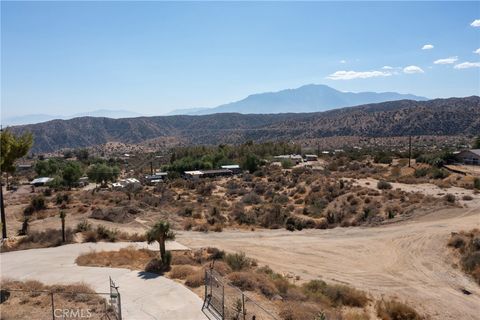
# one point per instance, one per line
(196, 279)
(396, 310)
(181, 272)
(129, 258)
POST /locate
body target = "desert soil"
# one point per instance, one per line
(408, 260)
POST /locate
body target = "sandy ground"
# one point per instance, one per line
(426, 189)
(144, 296)
(408, 260)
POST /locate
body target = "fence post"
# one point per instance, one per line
(243, 306)
(206, 285)
(53, 306)
(119, 303)
(223, 301)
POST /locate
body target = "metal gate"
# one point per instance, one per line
(226, 302)
(115, 301)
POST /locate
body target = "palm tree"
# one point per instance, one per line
(160, 232)
(62, 217)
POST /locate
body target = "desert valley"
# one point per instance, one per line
(267, 160)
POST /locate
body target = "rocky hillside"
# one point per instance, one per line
(454, 116)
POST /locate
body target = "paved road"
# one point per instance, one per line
(144, 296)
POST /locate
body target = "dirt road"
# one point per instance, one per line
(408, 260)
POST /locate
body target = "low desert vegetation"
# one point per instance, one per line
(302, 300)
(393, 310)
(22, 299)
(466, 245)
(39, 239)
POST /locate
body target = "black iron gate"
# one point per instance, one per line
(224, 301)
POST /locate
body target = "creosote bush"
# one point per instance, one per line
(384, 185)
(238, 261)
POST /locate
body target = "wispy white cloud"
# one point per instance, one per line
(428, 47)
(477, 51)
(413, 69)
(467, 65)
(475, 23)
(343, 61)
(349, 75)
(387, 68)
(449, 60)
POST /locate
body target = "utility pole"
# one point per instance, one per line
(2, 206)
(151, 168)
(4, 221)
(409, 150)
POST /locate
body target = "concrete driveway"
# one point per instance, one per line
(144, 295)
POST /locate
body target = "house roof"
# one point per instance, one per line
(474, 151)
(194, 173)
(216, 171)
(231, 166)
(41, 180)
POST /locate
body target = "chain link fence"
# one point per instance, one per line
(226, 302)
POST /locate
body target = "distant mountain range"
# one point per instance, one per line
(308, 98)
(449, 117)
(36, 118)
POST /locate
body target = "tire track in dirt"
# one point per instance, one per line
(408, 260)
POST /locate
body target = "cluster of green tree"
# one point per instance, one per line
(437, 159)
(64, 173)
(248, 155)
(68, 172)
(103, 173)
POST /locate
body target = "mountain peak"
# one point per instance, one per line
(307, 98)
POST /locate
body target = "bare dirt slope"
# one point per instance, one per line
(408, 260)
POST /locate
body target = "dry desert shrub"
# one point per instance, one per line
(221, 267)
(40, 239)
(246, 281)
(396, 310)
(181, 272)
(129, 258)
(182, 258)
(294, 310)
(467, 245)
(337, 294)
(196, 279)
(356, 315)
(238, 261)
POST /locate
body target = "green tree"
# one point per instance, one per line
(251, 163)
(11, 148)
(161, 232)
(46, 168)
(71, 173)
(101, 173)
(62, 217)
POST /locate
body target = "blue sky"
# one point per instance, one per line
(153, 57)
